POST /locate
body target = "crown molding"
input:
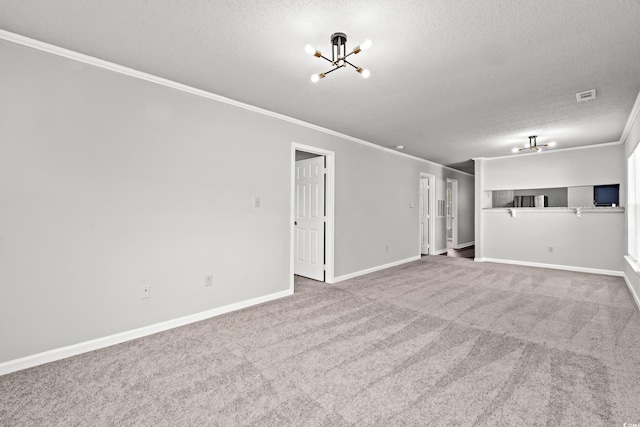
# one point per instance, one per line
(631, 120)
(87, 59)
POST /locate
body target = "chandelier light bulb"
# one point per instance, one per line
(310, 49)
(515, 149)
(316, 77)
(552, 144)
(365, 73)
(366, 44)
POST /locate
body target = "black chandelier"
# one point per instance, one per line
(533, 145)
(339, 55)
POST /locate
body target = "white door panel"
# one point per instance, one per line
(309, 218)
(301, 238)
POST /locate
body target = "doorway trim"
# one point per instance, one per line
(454, 212)
(329, 252)
(432, 213)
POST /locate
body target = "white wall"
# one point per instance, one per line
(631, 139)
(526, 238)
(603, 164)
(109, 182)
(591, 241)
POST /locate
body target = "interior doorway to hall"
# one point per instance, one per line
(312, 202)
(453, 245)
(426, 214)
(452, 213)
(309, 219)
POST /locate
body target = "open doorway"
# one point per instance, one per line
(312, 214)
(453, 244)
(426, 214)
(452, 213)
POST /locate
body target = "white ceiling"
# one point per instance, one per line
(451, 79)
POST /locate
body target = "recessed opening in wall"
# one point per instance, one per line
(580, 196)
(530, 198)
(606, 195)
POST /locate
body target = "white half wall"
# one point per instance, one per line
(591, 241)
(110, 182)
(596, 240)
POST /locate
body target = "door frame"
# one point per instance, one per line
(329, 206)
(432, 212)
(454, 212)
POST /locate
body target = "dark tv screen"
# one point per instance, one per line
(606, 195)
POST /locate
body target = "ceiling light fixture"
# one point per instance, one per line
(339, 55)
(533, 145)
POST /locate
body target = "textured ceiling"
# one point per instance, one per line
(451, 79)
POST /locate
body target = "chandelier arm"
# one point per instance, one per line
(347, 62)
(331, 71)
(349, 54)
(325, 58)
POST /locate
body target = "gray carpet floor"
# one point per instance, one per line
(436, 342)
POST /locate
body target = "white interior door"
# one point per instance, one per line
(449, 214)
(454, 213)
(425, 217)
(309, 218)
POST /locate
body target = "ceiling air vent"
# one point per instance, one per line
(586, 96)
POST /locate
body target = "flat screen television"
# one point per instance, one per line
(606, 195)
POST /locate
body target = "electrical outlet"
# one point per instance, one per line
(146, 292)
(551, 249)
(208, 281)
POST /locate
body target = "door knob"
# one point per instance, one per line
(295, 222)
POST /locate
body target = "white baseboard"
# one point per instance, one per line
(636, 270)
(464, 245)
(96, 344)
(553, 266)
(373, 269)
(634, 294)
